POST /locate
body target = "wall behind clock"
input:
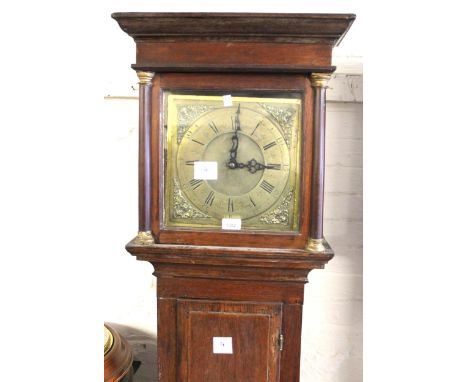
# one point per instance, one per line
(332, 321)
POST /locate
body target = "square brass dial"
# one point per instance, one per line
(232, 159)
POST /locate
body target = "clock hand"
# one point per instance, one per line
(232, 164)
(253, 166)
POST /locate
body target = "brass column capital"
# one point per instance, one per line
(145, 77)
(320, 80)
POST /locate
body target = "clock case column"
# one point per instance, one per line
(145, 235)
(319, 82)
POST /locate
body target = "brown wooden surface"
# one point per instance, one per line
(166, 338)
(253, 327)
(144, 158)
(233, 42)
(233, 273)
(234, 290)
(232, 262)
(318, 164)
(236, 55)
(291, 354)
(156, 149)
(233, 68)
(264, 27)
(278, 254)
(234, 81)
(176, 352)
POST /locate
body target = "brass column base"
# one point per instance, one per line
(144, 238)
(315, 245)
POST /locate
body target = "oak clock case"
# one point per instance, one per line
(231, 129)
(232, 160)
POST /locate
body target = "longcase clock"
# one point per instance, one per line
(231, 181)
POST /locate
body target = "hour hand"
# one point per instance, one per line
(252, 166)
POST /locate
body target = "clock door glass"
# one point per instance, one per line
(232, 160)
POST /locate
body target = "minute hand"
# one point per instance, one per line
(232, 164)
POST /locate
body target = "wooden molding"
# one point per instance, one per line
(260, 27)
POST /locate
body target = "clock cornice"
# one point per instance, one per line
(253, 27)
(234, 42)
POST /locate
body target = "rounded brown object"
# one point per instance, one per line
(118, 357)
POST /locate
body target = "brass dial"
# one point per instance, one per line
(249, 158)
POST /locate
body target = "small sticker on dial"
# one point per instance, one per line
(205, 170)
(231, 223)
(227, 100)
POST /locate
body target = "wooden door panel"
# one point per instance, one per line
(253, 328)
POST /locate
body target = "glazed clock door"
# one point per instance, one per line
(220, 341)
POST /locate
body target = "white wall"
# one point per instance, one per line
(332, 319)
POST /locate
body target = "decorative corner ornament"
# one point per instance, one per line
(144, 238)
(320, 80)
(145, 77)
(315, 245)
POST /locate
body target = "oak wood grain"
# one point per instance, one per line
(234, 54)
(253, 328)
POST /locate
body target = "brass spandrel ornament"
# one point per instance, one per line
(186, 115)
(284, 116)
(280, 214)
(183, 209)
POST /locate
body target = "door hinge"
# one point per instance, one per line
(281, 342)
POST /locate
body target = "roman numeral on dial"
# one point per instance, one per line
(269, 145)
(213, 127)
(274, 166)
(267, 186)
(195, 183)
(256, 127)
(230, 206)
(210, 199)
(200, 143)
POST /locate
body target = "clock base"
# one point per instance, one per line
(248, 299)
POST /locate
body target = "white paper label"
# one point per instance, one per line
(231, 223)
(222, 345)
(227, 99)
(205, 170)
